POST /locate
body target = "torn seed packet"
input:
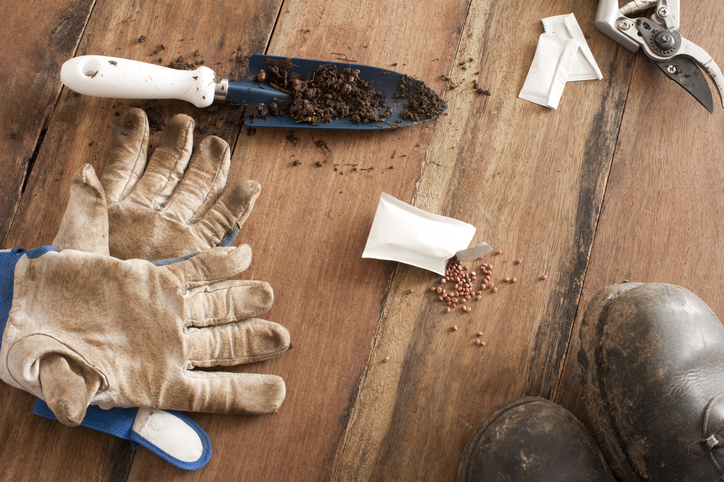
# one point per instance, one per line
(406, 234)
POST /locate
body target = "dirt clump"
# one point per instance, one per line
(422, 102)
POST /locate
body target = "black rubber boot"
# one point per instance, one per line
(652, 368)
(532, 439)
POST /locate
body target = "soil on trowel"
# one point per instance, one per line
(330, 94)
(422, 102)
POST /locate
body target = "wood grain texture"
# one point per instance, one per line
(665, 195)
(222, 33)
(308, 231)
(29, 69)
(531, 180)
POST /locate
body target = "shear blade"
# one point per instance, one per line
(687, 74)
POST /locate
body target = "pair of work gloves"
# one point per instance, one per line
(108, 325)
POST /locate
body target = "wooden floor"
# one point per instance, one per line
(623, 181)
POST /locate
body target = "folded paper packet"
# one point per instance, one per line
(566, 27)
(549, 71)
(562, 55)
(401, 232)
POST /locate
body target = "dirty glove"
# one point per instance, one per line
(85, 328)
(176, 205)
(138, 230)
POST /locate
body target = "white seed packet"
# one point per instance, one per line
(566, 27)
(549, 71)
(401, 232)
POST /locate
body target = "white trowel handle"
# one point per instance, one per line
(101, 76)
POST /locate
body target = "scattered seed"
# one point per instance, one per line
(480, 333)
(432, 288)
(477, 342)
(447, 310)
(500, 251)
(495, 290)
(505, 280)
(543, 277)
(411, 291)
(482, 343)
(518, 261)
(514, 280)
(386, 359)
(455, 328)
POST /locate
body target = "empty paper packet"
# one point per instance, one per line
(401, 232)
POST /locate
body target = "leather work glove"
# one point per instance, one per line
(134, 225)
(175, 205)
(73, 312)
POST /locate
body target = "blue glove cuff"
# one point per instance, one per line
(8, 260)
(119, 422)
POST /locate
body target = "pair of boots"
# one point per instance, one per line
(652, 369)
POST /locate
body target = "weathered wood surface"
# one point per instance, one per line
(29, 61)
(660, 220)
(531, 180)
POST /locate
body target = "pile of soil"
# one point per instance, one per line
(422, 102)
(330, 94)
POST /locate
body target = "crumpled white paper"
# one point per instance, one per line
(401, 232)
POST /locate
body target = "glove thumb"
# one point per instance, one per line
(85, 222)
(67, 388)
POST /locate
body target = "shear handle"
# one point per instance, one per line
(699, 55)
(607, 18)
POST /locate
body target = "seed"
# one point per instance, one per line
(480, 333)
(386, 359)
(411, 291)
(492, 285)
(432, 288)
(465, 308)
(500, 251)
(484, 286)
(442, 280)
(482, 343)
(518, 261)
(495, 290)
(447, 310)
(478, 297)
(477, 342)
(505, 280)
(455, 328)
(543, 277)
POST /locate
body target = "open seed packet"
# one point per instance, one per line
(403, 233)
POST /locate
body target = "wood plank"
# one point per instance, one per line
(309, 228)
(531, 180)
(659, 221)
(79, 133)
(29, 69)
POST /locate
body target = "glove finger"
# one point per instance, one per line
(212, 265)
(85, 222)
(167, 164)
(127, 157)
(233, 207)
(203, 181)
(223, 392)
(237, 343)
(225, 302)
(65, 389)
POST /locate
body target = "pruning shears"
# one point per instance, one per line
(658, 35)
